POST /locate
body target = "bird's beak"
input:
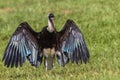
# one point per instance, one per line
(53, 24)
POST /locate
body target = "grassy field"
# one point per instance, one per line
(99, 20)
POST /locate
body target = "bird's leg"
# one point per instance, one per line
(49, 55)
(39, 59)
(62, 58)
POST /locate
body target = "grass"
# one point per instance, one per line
(99, 20)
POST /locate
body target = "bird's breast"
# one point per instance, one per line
(48, 40)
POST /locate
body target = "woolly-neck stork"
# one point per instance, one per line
(25, 43)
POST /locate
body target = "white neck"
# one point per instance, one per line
(50, 26)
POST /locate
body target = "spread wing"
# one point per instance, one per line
(72, 44)
(23, 44)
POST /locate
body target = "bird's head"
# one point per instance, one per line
(51, 16)
(51, 26)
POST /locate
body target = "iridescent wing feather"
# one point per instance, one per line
(23, 44)
(72, 44)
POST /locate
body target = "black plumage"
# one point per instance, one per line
(68, 44)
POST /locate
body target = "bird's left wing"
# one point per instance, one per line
(72, 44)
(23, 44)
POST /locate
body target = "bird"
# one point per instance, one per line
(44, 46)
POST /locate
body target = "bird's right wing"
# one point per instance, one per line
(72, 44)
(23, 44)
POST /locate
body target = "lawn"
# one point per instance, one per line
(99, 21)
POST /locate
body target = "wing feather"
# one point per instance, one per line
(72, 42)
(22, 44)
(13, 57)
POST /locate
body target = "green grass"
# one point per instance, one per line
(99, 20)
